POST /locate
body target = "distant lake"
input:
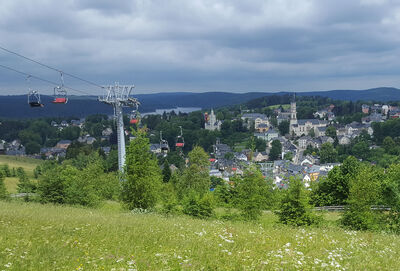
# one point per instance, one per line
(177, 110)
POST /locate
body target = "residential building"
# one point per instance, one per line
(63, 144)
(260, 121)
(304, 126)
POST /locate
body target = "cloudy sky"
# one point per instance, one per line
(204, 45)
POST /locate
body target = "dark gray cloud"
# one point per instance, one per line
(205, 45)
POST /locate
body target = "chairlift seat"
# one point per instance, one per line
(133, 121)
(60, 100)
(35, 104)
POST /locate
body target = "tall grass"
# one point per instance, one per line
(47, 237)
(28, 164)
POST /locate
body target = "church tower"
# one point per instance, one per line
(293, 112)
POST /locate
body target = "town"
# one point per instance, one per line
(280, 144)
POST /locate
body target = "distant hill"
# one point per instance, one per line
(79, 106)
(383, 94)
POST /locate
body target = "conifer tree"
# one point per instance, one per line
(142, 174)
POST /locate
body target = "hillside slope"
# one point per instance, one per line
(48, 237)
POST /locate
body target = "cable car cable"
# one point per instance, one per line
(42, 79)
(49, 67)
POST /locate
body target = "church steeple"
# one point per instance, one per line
(293, 111)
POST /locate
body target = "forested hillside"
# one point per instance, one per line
(80, 106)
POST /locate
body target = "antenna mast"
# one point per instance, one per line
(118, 96)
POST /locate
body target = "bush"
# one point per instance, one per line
(6, 170)
(169, 199)
(295, 209)
(199, 206)
(224, 194)
(24, 184)
(3, 190)
(67, 184)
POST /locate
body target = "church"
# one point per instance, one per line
(303, 126)
(211, 122)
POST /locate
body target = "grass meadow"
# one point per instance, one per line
(28, 164)
(48, 237)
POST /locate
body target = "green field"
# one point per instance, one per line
(284, 106)
(46, 237)
(28, 164)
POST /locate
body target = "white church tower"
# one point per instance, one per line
(293, 112)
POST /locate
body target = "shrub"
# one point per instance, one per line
(295, 209)
(25, 185)
(67, 184)
(169, 199)
(200, 206)
(3, 190)
(5, 168)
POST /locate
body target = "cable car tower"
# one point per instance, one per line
(118, 96)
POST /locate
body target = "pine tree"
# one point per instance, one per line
(142, 174)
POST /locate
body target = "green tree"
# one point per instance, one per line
(288, 156)
(276, 150)
(311, 132)
(391, 197)
(365, 191)
(334, 189)
(51, 187)
(32, 147)
(143, 177)
(166, 172)
(330, 131)
(389, 145)
(195, 178)
(252, 193)
(328, 154)
(24, 184)
(295, 208)
(283, 127)
(361, 150)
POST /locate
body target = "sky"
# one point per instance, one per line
(203, 45)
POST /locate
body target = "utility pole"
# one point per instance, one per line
(118, 96)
